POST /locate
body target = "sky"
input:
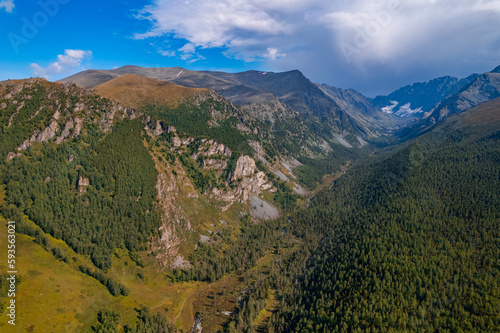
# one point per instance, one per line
(374, 47)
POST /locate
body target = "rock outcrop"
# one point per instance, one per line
(41, 137)
(167, 245)
(245, 166)
(248, 182)
(82, 184)
(11, 156)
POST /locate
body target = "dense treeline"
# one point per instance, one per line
(114, 287)
(312, 170)
(148, 322)
(250, 303)
(409, 243)
(195, 120)
(212, 262)
(115, 211)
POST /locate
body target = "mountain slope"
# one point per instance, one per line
(158, 194)
(272, 96)
(362, 109)
(483, 88)
(408, 241)
(416, 99)
(125, 195)
(134, 91)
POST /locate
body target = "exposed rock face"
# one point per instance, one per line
(259, 151)
(167, 246)
(70, 116)
(41, 137)
(66, 130)
(177, 142)
(82, 184)
(19, 107)
(155, 128)
(78, 127)
(249, 183)
(257, 146)
(245, 166)
(213, 148)
(83, 181)
(210, 164)
(246, 188)
(11, 156)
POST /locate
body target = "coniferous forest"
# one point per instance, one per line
(402, 238)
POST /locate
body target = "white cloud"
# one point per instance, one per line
(387, 37)
(188, 48)
(273, 53)
(66, 63)
(7, 5)
(166, 53)
(188, 53)
(211, 23)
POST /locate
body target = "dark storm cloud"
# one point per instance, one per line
(373, 46)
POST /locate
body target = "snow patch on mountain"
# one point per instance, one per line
(390, 108)
(403, 111)
(406, 111)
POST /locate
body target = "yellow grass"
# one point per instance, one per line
(136, 91)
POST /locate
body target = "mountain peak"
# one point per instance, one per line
(496, 70)
(128, 67)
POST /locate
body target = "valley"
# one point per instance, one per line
(169, 200)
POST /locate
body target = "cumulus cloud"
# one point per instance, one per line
(211, 23)
(7, 5)
(348, 43)
(273, 53)
(66, 63)
(166, 53)
(188, 53)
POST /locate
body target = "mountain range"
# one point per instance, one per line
(418, 105)
(171, 200)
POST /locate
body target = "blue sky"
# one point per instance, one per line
(372, 46)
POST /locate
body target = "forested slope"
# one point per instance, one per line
(410, 242)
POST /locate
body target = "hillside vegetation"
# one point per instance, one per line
(408, 242)
(136, 204)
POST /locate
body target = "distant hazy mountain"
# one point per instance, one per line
(291, 88)
(361, 108)
(483, 88)
(416, 99)
(270, 95)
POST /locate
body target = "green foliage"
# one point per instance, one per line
(108, 321)
(284, 197)
(407, 243)
(249, 307)
(12, 137)
(116, 211)
(114, 287)
(193, 120)
(212, 262)
(150, 323)
(202, 180)
(313, 170)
